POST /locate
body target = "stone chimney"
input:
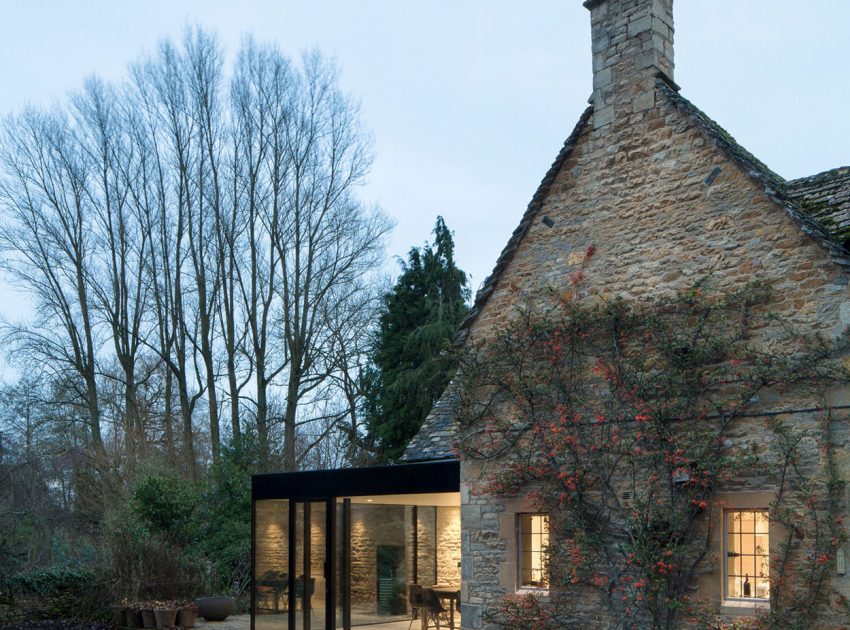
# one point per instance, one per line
(632, 45)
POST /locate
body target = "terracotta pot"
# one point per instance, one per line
(119, 615)
(215, 608)
(164, 617)
(186, 617)
(148, 620)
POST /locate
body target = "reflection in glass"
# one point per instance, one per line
(381, 545)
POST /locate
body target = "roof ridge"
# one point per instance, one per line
(818, 177)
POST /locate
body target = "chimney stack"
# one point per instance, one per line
(632, 45)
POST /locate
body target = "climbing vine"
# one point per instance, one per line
(625, 422)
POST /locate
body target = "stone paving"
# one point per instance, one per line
(243, 622)
(233, 622)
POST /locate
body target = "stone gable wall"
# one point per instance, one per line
(646, 191)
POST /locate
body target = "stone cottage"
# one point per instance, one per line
(647, 196)
(664, 196)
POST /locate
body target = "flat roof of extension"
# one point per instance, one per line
(420, 477)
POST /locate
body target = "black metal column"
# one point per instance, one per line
(346, 564)
(293, 506)
(306, 577)
(330, 564)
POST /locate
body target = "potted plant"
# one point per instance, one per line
(134, 617)
(165, 614)
(119, 615)
(146, 612)
(186, 614)
(164, 617)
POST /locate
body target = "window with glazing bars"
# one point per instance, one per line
(532, 544)
(747, 547)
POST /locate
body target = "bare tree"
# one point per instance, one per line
(200, 240)
(121, 245)
(261, 95)
(161, 89)
(46, 238)
(326, 240)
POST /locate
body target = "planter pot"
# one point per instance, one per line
(186, 617)
(215, 608)
(164, 617)
(119, 615)
(148, 620)
(134, 618)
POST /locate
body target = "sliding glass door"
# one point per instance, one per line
(312, 586)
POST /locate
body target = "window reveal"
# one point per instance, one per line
(747, 546)
(533, 542)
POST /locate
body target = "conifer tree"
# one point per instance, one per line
(410, 366)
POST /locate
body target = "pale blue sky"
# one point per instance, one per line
(469, 101)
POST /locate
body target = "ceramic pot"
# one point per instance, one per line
(215, 608)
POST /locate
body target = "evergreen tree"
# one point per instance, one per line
(410, 366)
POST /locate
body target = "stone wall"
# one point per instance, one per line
(271, 553)
(271, 530)
(448, 545)
(639, 190)
(426, 532)
(371, 526)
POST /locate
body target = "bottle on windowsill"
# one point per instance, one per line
(747, 586)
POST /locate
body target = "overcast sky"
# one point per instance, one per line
(470, 101)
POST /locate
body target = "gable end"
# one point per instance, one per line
(774, 186)
(490, 283)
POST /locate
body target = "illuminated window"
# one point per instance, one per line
(747, 554)
(533, 541)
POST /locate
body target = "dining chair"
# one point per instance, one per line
(414, 598)
(433, 609)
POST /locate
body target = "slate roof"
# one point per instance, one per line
(435, 438)
(826, 196)
(820, 205)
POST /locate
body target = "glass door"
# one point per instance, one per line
(310, 566)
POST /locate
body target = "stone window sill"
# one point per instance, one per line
(533, 590)
(738, 608)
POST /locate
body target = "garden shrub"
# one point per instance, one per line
(165, 505)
